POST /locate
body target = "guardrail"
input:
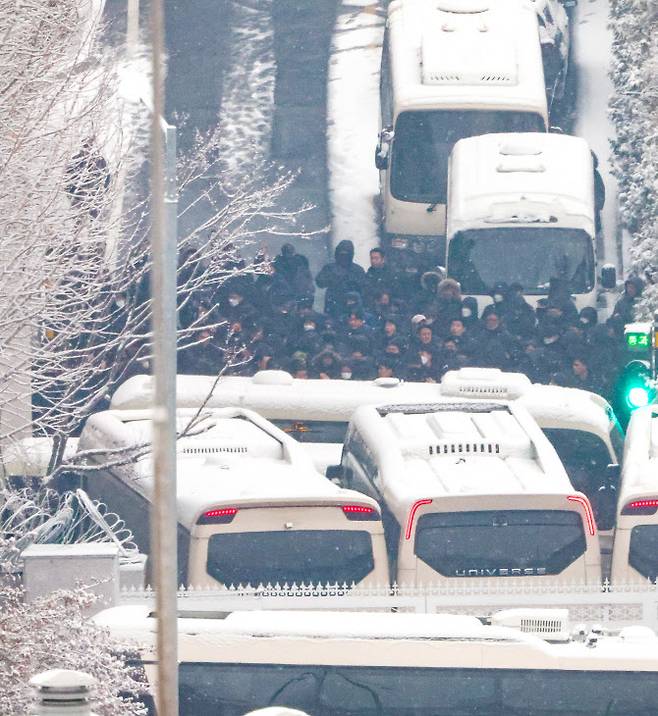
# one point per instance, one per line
(611, 606)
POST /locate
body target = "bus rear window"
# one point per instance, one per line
(643, 552)
(503, 543)
(317, 556)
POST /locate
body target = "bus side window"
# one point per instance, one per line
(357, 448)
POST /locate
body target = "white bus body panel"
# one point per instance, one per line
(428, 461)
(494, 177)
(234, 459)
(639, 483)
(441, 60)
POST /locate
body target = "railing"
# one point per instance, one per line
(611, 606)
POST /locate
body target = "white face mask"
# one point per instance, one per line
(466, 312)
(498, 297)
(120, 301)
(549, 340)
(234, 301)
(309, 326)
(345, 375)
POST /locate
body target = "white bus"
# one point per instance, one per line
(367, 664)
(450, 69)
(470, 491)
(580, 425)
(251, 507)
(635, 549)
(529, 198)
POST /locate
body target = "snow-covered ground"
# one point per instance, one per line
(591, 63)
(353, 123)
(245, 119)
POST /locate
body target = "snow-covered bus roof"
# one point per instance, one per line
(278, 396)
(452, 451)
(453, 54)
(521, 179)
(233, 457)
(640, 469)
(378, 639)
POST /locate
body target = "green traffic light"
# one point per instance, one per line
(638, 397)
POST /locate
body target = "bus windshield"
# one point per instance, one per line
(481, 258)
(235, 689)
(423, 142)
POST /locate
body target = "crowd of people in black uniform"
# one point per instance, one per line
(383, 322)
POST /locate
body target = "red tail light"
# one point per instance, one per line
(589, 514)
(220, 516)
(359, 512)
(641, 507)
(412, 514)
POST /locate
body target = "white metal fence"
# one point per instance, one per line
(612, 606)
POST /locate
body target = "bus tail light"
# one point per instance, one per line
(412, 514)
(641, 507)
(359, 512)
(220, 516)
(589, 514)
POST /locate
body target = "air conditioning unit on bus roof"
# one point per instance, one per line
(466, 56)
(484, 383)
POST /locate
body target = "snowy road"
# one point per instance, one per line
(353, 107)
(591, 53)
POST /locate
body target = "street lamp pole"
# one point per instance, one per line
(163, 288)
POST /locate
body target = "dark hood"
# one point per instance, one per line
(344, 251)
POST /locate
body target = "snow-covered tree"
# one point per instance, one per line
(634, 110)
(74, 257)
(54, 632)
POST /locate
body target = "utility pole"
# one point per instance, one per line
(163, 288)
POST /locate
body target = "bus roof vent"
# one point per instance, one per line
(463, 7)
(549, 624)
(272, 377)
(520, 164)
(465, 448)
(519, 147)
(467, 56)
(214, 449)
(484, 383)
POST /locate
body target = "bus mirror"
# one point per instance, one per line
(334, 473)
(381, 157)
(609, 276)
(381, 152)
(339, 475)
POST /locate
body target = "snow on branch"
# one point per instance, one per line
(53, 633)
(634, 111)
(75, 301)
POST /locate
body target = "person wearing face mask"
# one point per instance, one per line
(346, 371)
(237, 307)
(497, 293)
(496, 347)
(339, 277)
(469, 313)
(518, 315)
(550, 358)
(326, 364)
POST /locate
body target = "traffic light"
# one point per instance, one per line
(635, 388)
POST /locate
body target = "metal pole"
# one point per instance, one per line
(163, 287)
